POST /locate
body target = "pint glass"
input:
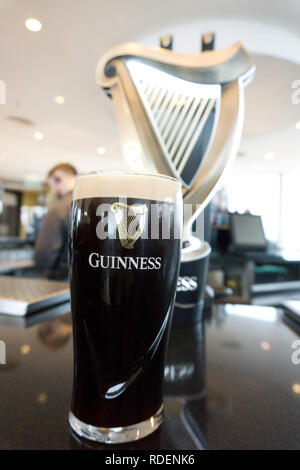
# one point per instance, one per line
(125, 243)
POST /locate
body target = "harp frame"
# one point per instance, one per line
(227, 71)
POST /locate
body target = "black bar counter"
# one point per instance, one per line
(230, 383)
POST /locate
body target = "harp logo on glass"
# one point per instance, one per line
(2, 352)
(130, 221)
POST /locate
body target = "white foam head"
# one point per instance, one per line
(128, 184)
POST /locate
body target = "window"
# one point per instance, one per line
(290, 211)
(259, 195)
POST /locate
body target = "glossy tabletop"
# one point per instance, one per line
(230, 383)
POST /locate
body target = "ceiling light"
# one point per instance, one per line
(269, 156)
(25, 349)
(59, 99)
(101, 150)
(33, 24)
(38, 136)
(298, 125)
(265, 346)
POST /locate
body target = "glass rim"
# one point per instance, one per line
(129, 172)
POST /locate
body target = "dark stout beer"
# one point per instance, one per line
(123, 284)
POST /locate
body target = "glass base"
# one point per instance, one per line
(117, 435)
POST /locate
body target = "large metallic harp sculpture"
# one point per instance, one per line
(180, 115)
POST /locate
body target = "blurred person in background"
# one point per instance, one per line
(51, 247)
